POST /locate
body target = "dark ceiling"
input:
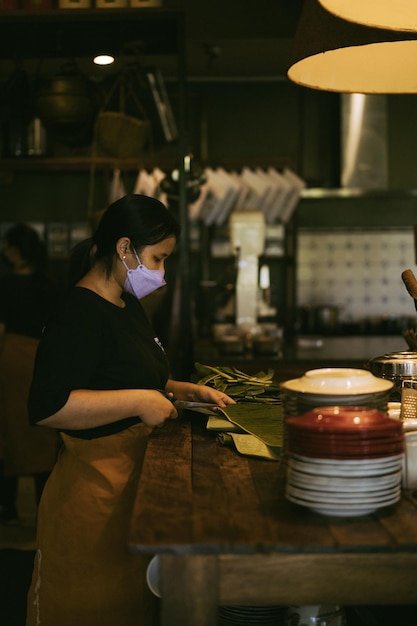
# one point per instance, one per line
(238, 38)
(225, 39)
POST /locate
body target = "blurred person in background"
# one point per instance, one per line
(27, 298)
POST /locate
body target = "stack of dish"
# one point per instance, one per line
(227, 615)
(344, 461)
(331, 386)
(246, 615)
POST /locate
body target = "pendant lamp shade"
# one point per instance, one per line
(332, 54)
(390, 14)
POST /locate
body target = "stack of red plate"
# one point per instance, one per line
(344, 433)
(344, 460)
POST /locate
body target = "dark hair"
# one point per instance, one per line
(31, 247)
(145, 220)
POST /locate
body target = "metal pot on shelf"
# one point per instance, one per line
(64, 98)
(67, 104)
(321, 319)
(326, 318)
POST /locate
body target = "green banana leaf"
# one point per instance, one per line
(264, 421)
(248, 445)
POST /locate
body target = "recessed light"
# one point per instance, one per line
(103, 59)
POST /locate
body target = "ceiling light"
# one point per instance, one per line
(390, 14)
(103, 59)
(335, 55)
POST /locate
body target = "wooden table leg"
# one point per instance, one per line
(189, 587)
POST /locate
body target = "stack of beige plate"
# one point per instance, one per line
(332, 386)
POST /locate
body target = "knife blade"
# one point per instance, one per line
(207, 408)
(201, 407)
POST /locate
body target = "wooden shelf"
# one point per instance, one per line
(54, 34)
(36, 164)
(71, 33)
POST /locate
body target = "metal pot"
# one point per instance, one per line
(322, 319)
(326, 319)
(65, 99)
(395, 366)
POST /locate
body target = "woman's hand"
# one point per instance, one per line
(156, 408)
(198, 393)
(203, 393)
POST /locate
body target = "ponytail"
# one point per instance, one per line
(80, 261)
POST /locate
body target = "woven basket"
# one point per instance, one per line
(119, 135)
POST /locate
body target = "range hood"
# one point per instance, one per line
(364, 152)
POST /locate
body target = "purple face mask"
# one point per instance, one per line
(141, 281)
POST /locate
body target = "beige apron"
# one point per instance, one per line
(84, 574)
(26, 449)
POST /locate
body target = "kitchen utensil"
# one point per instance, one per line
(65, 98)
(201, 407)
(320, 615)
(230, 344)
(397, 367)
(266, 344)
(326, 319)
(409, 400)
(410, 336)
(410, 282)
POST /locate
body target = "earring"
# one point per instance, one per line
(124, 257)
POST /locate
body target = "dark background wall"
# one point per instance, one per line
(245, 123)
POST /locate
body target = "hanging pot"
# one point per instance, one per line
(65, 99)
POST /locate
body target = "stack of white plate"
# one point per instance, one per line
(344, 488)
(246, 615)
(344, 461)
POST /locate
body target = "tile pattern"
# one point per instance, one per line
(356, 270)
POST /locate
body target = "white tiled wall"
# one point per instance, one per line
(359, 271)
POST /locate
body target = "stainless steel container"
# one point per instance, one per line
(396, 367)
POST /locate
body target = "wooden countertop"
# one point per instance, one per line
(226, 535)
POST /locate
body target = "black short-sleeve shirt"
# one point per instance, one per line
(94, 344)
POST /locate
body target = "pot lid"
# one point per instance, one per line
(394, 364)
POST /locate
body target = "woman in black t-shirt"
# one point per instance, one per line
(98, 373)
